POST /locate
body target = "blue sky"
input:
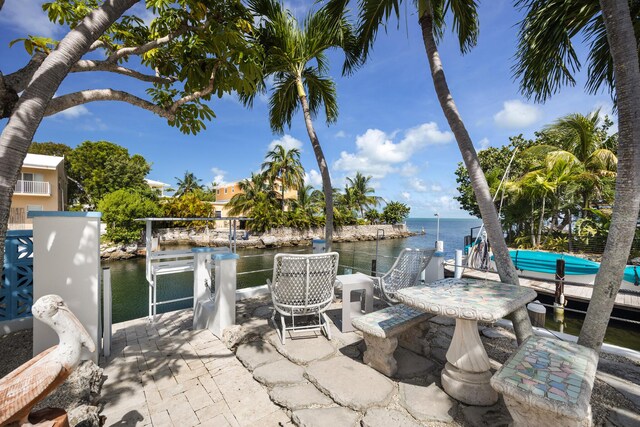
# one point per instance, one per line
(390, 124)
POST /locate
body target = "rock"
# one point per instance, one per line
(268, 240)
(282, 372)
(426, 403)
(620, 417)
(351, 383)
(325, 417)
(411, 365)
(232, 336)
(384, 417)
(257, 353)
(81, 388)
(84, 416)
(133, 248)
(441, 341)
(299, 396)
(303, 351)
(440, 354)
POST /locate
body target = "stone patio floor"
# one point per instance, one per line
(165, 374)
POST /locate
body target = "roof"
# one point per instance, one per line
(40, 161)
(156, 183)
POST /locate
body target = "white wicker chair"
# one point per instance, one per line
(404, 273)
(303, 285)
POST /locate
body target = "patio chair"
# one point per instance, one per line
(404, 273)
(303, 285)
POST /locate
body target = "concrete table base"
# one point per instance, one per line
(379, 354)
(466, 375)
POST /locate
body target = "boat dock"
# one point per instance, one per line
(625, 300)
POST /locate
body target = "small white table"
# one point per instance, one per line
(352, 309)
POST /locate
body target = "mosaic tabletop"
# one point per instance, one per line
(549, 374)
(470, 299)
(389, 321)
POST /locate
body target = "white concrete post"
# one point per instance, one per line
(66, 262)
(201, 275)
(458, 264)
(439, 246)
(435, 269)
(319, 246)
(107, 307)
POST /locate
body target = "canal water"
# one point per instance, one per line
(130, 288)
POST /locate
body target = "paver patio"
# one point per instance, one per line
(165, 374)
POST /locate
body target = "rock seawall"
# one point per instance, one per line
(279, 237)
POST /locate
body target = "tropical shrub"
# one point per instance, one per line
(373, 216)
(188, 206)
(395, 213)
(121, 208)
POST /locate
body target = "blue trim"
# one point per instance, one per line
(225, 256)
(207, 249)
(319, 241)
(438, 254)
(19, 233)
(66, 214)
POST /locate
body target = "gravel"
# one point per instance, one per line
(15, 349)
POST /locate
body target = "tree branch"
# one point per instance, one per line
(21, 78)
(195, 95)
(90, 65)
(74, 99)
(139, 50)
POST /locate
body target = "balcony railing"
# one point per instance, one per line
(33, 187)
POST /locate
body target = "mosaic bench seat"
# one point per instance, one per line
(382, 329)
(548, 382)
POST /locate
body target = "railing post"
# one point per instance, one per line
(558, 305)
(458, 264)
(107, 311)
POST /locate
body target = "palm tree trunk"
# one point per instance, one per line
(322, 165)
(282, 183)
(541, 221)
(624, 51)
(30, 109)
(533, 228)
(506, 270)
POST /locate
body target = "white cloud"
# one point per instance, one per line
(313, 178)
(516, 114)
(218, 175)
(340, 134)
(418, 185)
(436, 187)
(406, 195)
(484, 143)
(408, 169)
(94, 125)
(377, 155)
(287, 141)
(74, 112)
(28, 17)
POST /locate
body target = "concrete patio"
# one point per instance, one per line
(164, 373)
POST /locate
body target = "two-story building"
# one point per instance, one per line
(41, 186)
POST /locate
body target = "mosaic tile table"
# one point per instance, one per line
(548, 382)
(466, 374)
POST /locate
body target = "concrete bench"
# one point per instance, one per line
(548, 382)
(381, 330)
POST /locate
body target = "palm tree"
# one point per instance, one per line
(296, 58)
(309, 201)
(548, 62)
(363, 193)
(252, 191)
(188, 184)
(285, 165)
(431, 17)
(581, 136)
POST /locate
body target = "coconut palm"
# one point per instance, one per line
(285, 165)
(295, 56)
(309, 200)
(363, 193)
(253, 191)
(548, 61)
(187, 184)
(582, 137)
(464, 17)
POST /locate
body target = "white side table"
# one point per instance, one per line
(352, 309)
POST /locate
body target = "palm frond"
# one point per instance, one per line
(283, 102)
(465, 22)
(321, 91)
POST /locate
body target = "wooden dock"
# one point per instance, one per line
(624, 300)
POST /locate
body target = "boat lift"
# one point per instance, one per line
(159, 263)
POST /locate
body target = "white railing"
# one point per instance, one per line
(33, 187)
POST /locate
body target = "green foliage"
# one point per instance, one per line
(395, 212)
(361, 193)
(284, 165)
(188, 206)
(373, 216)
(103, 167)
(121, 208)
(188, 184)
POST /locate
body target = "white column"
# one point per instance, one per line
(435, 269)
(201, 275)
(458, 264)
(225, 293)
(66, 262)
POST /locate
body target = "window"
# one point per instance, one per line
(225, 190)
(28, 176)
(218, 214)
(34, 208)
(233, 189)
